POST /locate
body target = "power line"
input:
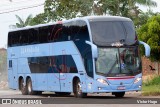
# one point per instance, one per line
(14, 8)
(13, 3)
(22, 9)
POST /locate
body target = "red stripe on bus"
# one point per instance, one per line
(118, 78)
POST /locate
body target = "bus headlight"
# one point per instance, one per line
(102, 81)
(137, 79)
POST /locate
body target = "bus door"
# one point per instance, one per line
(65, 83)
(12, 73)
(54, 75)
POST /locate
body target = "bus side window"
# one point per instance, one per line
(33, 36)
(10, 63)
(24, 37)
(55, 33)
(88, 64)
(71, 66)
(15, 38)
(43, 34)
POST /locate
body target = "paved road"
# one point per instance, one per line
(96, 99)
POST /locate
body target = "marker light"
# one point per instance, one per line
(102, 81)
(137, 79)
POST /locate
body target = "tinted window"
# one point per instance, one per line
(10, 63)
(55, 33)
(52, 64)
(71, 66)
(107, 32)
(89, 64)
(33, 36)
(130, 32)
(14, 38)
(43, 34)
(24, 37)
(75, 31)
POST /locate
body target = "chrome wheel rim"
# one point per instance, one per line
(22, 85)
(79, 88)
(29, 87)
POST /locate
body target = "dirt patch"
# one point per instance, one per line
(147, 78)
(3, 85)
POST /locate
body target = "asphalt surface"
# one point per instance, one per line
(96, 99)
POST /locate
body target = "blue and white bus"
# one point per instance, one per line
(94, 54)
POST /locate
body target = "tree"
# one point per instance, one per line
(126, 8)
(55, 10)
(66, 9)
(137, 15)
(143, 17)
(22, 23)
(150, 33)
(39, 19)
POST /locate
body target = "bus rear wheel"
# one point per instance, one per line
(119, 94)
(29, 87)
(38, 92)
(23, 87)
(78, 90)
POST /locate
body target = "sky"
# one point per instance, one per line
(9, 18)
(8, 10)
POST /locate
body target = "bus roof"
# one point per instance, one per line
(89, 18)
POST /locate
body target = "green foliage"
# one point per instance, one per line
(150, 33)
(154, 81)
(22, 23)
(55, 10)
(67, 9)
(150, 90)
(143, 17)
(146, 2)
(39, 19)
(151, 87)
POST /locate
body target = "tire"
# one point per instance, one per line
(29, 87)
(23, 88)
(119, 94)
(63, 93)
(78, 91)
(38, 92)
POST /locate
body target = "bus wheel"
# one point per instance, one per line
(78, 90)
(29, 87)
(63, 93)
(23, 87)
(38, 92)
(119, 94)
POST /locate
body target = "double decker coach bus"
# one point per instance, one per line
(94, 54)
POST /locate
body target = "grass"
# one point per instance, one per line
(152, 90)
(151, 87)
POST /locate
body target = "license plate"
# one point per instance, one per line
(121, 88)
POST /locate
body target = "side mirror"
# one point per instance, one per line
(94, 49)
(147, 48)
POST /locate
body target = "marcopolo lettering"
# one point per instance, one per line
(27, 50)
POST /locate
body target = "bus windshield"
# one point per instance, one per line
(118, 61)
(107, 32)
